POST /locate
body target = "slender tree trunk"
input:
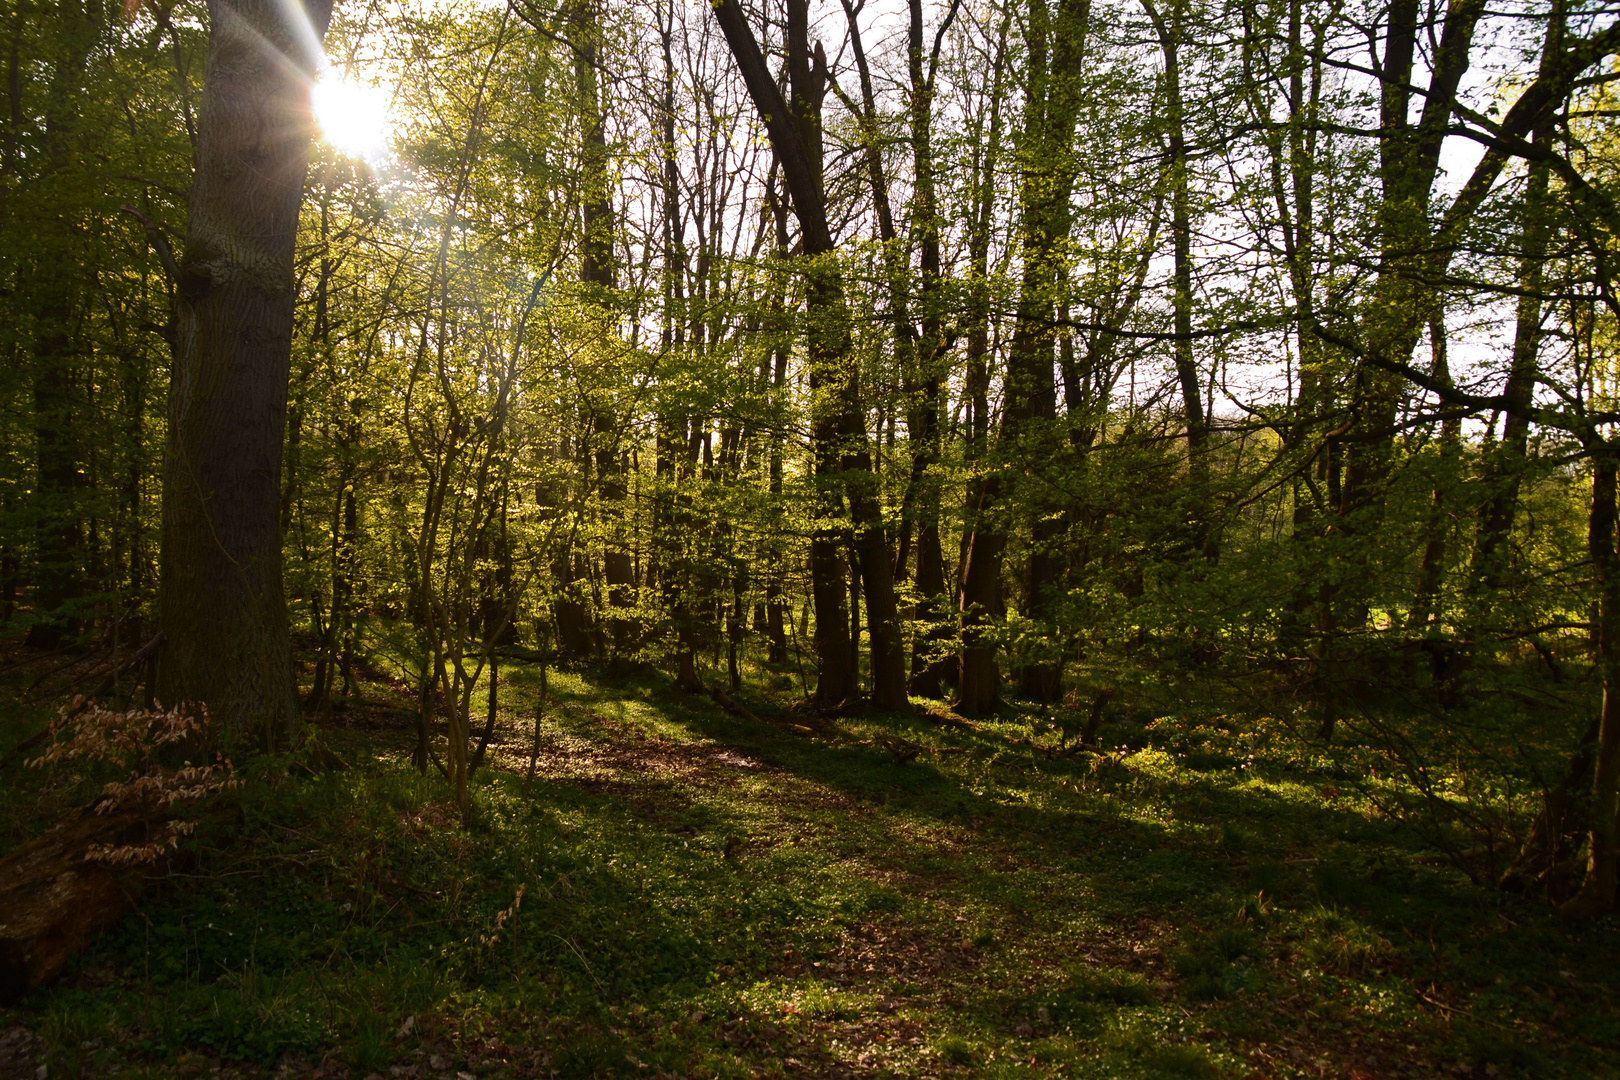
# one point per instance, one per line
(1170, 33)
(1504, 465)
(223, 609)
(54, 288)
(978, 591)
(923, 421)
(775, 612)
(838, 428)
(1597, 892)
(1431, 575)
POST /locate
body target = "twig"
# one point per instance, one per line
(140, 656)
(583, 962)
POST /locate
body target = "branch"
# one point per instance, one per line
(773, 110)
(154, 236)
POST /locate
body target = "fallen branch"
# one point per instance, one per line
(725, 701)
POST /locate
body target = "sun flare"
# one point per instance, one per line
(354, 117)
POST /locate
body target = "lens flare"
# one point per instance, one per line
(354, 117)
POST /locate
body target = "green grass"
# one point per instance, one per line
(705, 896)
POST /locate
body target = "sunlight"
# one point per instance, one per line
(354, 117)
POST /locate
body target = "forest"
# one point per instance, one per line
(771, 538)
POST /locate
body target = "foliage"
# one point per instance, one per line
(93, 735)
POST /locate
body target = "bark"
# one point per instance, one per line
(923, 422)
(776, 612)
(1293, 180)
(978, 687)
(223, 608)
(1431, 575)
(1412, 258)
(1170, 33)
(1403, 300)
(1597, 892)
(1506, 460)
(1557, 830)
(598, 273)
(54, 288)
(671, 525)
(979, 560)
(52, 900)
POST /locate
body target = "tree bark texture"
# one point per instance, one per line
(1055, 41)
(53, 899)
(222, 604)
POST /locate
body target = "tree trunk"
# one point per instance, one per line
(1596, 895)
(54, 286)
(1431, 575)
(838, 431)
(927, 669)
(223, 610)
(1055, 43)
(1504, 465)
(597, 272)
(1197, 421)
(979, 683)
(53, 899)
(978, 588)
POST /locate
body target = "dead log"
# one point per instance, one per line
(53, 899)
(725, 701)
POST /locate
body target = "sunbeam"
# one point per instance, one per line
(354, 117)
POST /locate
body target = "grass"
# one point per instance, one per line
(707, 896)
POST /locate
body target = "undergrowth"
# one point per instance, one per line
(683, 892)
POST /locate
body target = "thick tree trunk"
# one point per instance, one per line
(597, 271)
(1556, 832)
(837, 680)
(222, 606)
(1504, 466)
(1409, 159)
(979, 682)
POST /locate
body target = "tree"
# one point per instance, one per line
(841, 445)
(223, 610)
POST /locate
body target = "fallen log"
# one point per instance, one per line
(726, 702)
(53, 899)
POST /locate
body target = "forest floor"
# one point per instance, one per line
(704, 895)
